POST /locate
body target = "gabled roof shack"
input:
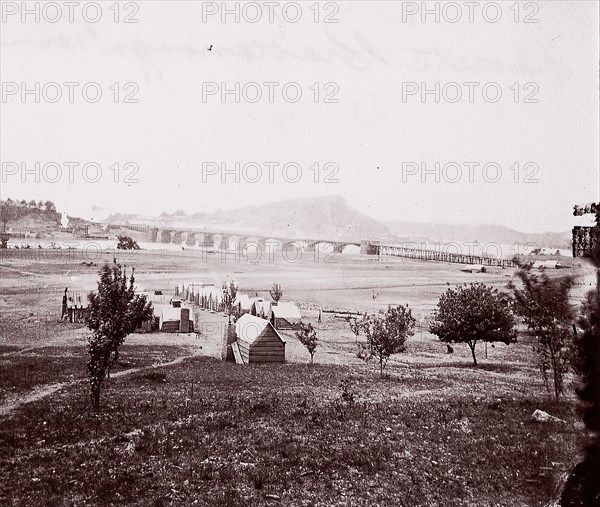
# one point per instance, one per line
(258, 341)
(250, 329)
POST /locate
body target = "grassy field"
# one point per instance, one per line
(180, 427)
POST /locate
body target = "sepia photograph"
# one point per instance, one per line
(300, 253)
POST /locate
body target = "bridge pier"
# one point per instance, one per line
(165, 236)
(224, 242)
(190, 239)
(209, 240)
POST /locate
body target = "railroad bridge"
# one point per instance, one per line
(235, 241)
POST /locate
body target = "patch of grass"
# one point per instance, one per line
(326, 435)
(49, 365)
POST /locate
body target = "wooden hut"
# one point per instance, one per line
(169, 319)
(258, 341)
(285, 315)
(75, 306)
(174, 320)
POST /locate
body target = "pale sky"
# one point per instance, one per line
(546, 120)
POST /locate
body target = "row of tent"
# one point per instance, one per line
(169, 315)
(206, 296)
(282, 315)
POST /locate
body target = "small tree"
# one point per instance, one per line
(472, 313)
(387, 333)
(229, 295)
(276, 292)
(356, 325)
(307, 335)
(114, 312)
(543, 303)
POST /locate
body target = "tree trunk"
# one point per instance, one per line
(472, 347)
(555, 374)
(96, 397)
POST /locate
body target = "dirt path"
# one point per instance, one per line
(20, 271)
(11, 404)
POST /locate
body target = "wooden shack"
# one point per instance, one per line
(174, 320)
(258, 341)
(75, 306)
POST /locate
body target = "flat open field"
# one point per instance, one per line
(180, 427)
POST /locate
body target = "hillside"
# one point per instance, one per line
(328, 217)
(31, 218)
(483, 233)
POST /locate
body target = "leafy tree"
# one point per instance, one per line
(587, 362)
(472, 313)
(543, 303)
(582, 486)
(8, 212)
(307, 335)
(127, 243)
(49, 205)
(40, 204)
(387, 333)
(276, 292)
(114, 312)
(32, 203)
(23, 202)
(229, 295)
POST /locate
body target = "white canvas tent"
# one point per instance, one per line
(243, 303)
(285, 315)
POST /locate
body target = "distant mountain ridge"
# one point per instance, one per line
(482, 233)
(333, 218)
(310, 217)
